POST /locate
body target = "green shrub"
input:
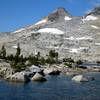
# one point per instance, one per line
(10, 57)
(68, 60)
(42, 61)
(18, 67)
(68, 64)
(79, 62)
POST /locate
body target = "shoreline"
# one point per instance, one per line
(28, 74)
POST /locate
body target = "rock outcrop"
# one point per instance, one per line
(5, 69)
(71, 36)
(51, 71)
(34, 69)
(18, 77)
(38, 77)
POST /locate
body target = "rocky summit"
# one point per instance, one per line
(77, 37)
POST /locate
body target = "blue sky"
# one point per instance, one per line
(19, 13)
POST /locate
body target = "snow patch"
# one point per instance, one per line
(51, 30)
(95, 27)
(89, 17)
(80, 38)
(74, 50)
(41, 22)
(15, 46)
(70, 38)
(67, 18)
(83, 48)
(52, 47)
(97, 44)
(84, 38)
(19, 30)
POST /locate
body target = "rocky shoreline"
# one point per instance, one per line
(38, 73)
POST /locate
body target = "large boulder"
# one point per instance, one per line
(80, 78)
(34, 69)
(18, 77)
(38, 77)
(6, 71)
(95, 69)
(51, 71)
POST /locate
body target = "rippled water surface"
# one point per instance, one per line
(56, 88)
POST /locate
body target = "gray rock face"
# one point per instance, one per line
(96, 11)
(81, 38)
(59, 13)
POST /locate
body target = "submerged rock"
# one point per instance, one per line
(95, 69)
(71, 73)
(80, 78)
(38, 77)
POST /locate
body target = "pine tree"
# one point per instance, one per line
(38, 55)
(18, 50)
(56, 56)
(17, 54)
(52, 53)
(3, 52)
(52, 57)
(10, 57)
(42, 61)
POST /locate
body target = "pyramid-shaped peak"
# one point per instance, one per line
(62, 11)
(58, 13)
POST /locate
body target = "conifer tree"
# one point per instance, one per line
(18, 50)
(3, 52)
(17, 54)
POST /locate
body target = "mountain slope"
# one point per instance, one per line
(76, 37)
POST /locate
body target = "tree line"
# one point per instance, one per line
(19, 62)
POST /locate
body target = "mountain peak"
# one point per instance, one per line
(61, 10)
(95, 11)
(58, 13)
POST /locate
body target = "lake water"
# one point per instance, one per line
(91, 65)
(56, 88)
